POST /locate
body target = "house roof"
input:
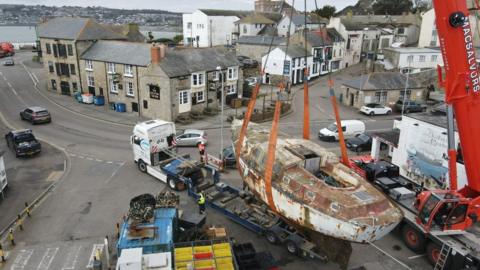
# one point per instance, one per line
(221, 12)
(261, 40)
(382, 81)
(121, 52)
(255, 18)
(414, 50)
(180, 62)
(130, 31)
(316, 39)
(335, 35)
(359, 22)
(295, 51)
(75, 28)
(300, 20)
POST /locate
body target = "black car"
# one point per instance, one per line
(361, 142)
(23, 143)
(36, 115)
(229, 157)
(410, 106)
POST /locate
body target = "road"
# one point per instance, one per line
(101, 178)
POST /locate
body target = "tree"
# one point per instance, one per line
(392, 7)
(326, 11)
(177, 38)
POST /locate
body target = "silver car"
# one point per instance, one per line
(192, 137)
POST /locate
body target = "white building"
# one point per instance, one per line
(411, 60)
(428, 30)
(207, 27)
(253, 24)
(290, 64)
(296, 23)
(353, 38)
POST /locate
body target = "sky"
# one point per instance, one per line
(176, 5)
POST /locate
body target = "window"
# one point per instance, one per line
(410, 59)
(400, 31)
(111, 67)
(70, 49)
(232, 73)
(215, 76)
(49, 48)
(433, 58)
(189, 25)
(315, 68)
(113, 86)
(244, 29)
(90, 81)
(145, 104)
(88, 65)
(128, 70)
(55, 50)
(54, 84)
(74, 86)
(231, 89)
(421, 58)
(51, 69)
(183, 97)
(198, 97)
(62, 70)
(129, 86)
(197, 79)
(62, 50)
(72, 69)
(401, 96)
(134, 107)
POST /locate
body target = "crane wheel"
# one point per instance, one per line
(433, 252)
(413, 239)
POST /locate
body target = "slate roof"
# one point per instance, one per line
(300, 20)
(75, 28)
(180, 62)
(255, 18)
(359, 22)
(221, 12)
(131, 33)
(121, 52)
(315, 39)
(261, 40)
(295, 51)
(382, 81)
(335, 35)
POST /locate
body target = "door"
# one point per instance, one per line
(27, 114)
(184, 101)
(65, 88)
(298, 79)
(91, 90)
(182, 139)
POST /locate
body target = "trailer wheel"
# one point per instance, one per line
(271, 237)
(413, 239)
(142, 166)
(172, 184)
(433, 252)
(291, 247)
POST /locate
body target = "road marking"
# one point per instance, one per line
(73, 155)
(92, 255)
(47, 259)
(22, 259)
(114, 173)
(110, 162)
(72, 258)
(35, 76)
(81, 156)
(54, 176)
(416, 256)
(89, 158)
(98, 160)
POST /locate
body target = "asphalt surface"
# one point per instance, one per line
(101, 178)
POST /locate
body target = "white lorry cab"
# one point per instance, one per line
(350, 128)
(149, 141)
(3, 175)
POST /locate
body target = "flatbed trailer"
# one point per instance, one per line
(240, 208)
(445, 250)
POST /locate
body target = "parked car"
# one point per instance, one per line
(23, 143)
(410, 106)
(350, 128)
(192, 137)
(375, 109)
(250, 63)
(8, 62)
(362, 142)
(440, 108)
(229, 157)
(36, 115)
(252, 81)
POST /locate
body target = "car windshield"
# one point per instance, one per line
(41, 113)
(332, 127)
(23, 138)
(227, 151)
(371, 105)
(364, 137)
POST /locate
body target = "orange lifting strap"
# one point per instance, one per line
(246, 120)
(272, 146)
(341, 138)
(306, 111)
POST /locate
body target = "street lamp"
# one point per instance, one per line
(406, 85)
(220, 74)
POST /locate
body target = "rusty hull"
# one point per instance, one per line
(313, 189)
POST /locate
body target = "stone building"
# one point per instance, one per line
(256, 47)
(157, 82)
(381, 87)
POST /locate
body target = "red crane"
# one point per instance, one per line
(457, 209)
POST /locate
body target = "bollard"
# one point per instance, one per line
(27, 209)
(10, 237)
(20, 222)
(107, 251)
(2, 254)
(118, 230)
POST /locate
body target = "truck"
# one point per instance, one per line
(450, 250)
(6, 49)
(23, 142)
(3, 175)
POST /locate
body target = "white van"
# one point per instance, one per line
(351, 128)
(3, 175)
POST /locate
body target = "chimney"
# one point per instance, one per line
(163, 50)
(155, 54)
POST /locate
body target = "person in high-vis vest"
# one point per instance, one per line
(10, 237)
(201, 203)
(2, 254)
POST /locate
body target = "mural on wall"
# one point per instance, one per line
(426, 160)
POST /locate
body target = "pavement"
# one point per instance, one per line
(101, 178)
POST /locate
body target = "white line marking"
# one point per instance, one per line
(416, 256)
(47, 259)
(89, 158)
(98, 160)
(114, 173)
(35, 76)
(9, 84)
(22, 259)
(94, 248)
(72, 258)
(73, 155)
(110, 162)
(81, 156)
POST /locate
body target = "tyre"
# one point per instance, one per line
(292, 247)
(358, 149)
(433, 252)
(142, 166)
(21, 117)
(271, 237)
(389, 112)
(172, 183)
(424, 109)
(371, 113)
(413, 239)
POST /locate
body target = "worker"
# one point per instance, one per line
(10, 237)
(20, 222)
(201, 203)
(27, 209)
(98, 254)
(201, 151)
(2, 254)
